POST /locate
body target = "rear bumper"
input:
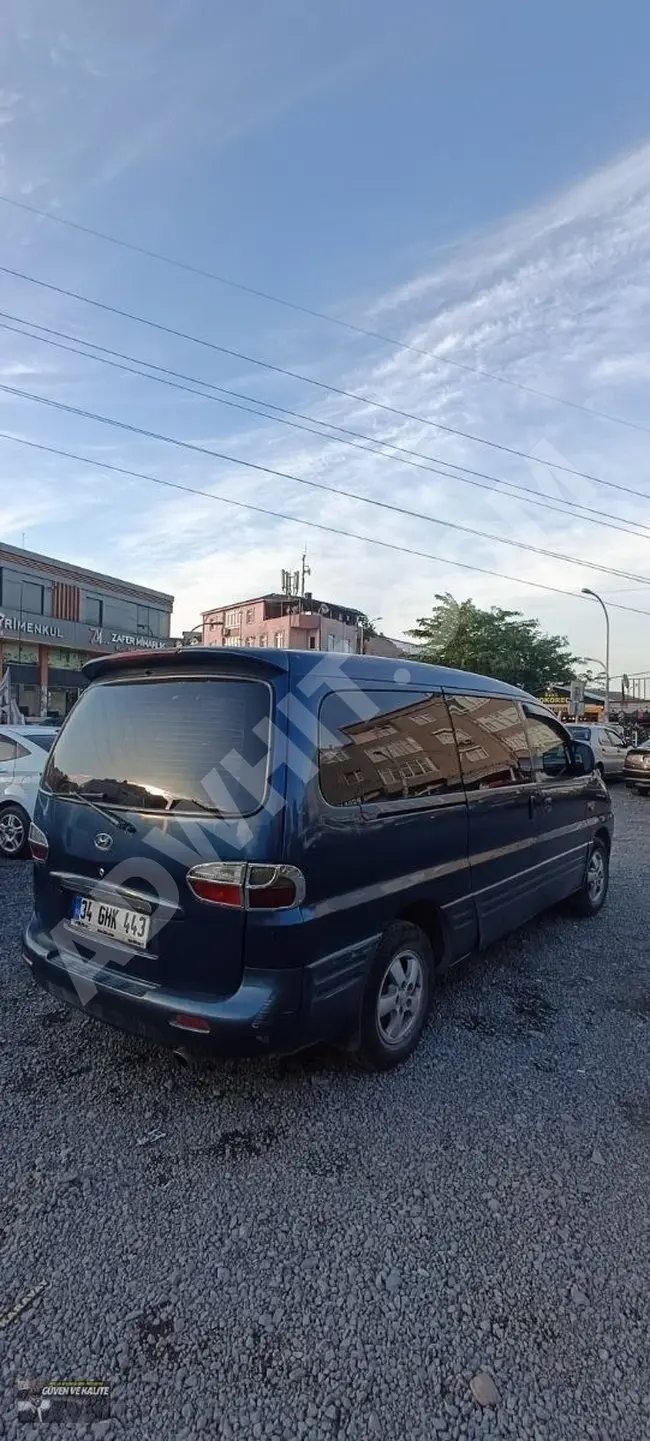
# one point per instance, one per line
(272, 1012)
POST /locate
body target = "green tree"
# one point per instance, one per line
(495, 642)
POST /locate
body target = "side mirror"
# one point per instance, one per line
(554, 763)
(584, 761)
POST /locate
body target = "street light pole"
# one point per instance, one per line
(595, 596)
(363, 623)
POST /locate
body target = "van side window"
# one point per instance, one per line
(492, 741)
(551, 756)
(403, 747)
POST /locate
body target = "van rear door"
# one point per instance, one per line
(153, 774)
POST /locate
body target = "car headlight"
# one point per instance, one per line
(646, 762)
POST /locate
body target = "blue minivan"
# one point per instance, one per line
(247, 852)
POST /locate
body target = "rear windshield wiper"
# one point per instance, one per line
(119, 821)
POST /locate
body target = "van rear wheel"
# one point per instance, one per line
(398, 996)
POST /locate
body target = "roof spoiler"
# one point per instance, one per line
(186, 657)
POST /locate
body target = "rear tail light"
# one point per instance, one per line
(274, 887)
(248, 887)
(38, 844)
(190, 1023)
(221, 883)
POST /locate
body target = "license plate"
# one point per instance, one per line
(129, 927)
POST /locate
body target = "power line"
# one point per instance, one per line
(232, 398)
(297, 520)
(312, 484)
(404, 457)
(311, 380)
(348, 325)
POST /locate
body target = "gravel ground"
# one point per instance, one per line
(297, 1249)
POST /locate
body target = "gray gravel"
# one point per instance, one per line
(457, 1250)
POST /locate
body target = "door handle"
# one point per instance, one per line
(545, 800)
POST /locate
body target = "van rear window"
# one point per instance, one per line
(171, 745)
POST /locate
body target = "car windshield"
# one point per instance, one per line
(182, 744)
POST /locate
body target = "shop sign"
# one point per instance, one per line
(10, 625)
(99, 636)
(77, 635)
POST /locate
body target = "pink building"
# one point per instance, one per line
(290, 622)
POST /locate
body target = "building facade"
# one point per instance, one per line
(54, 617)
(285, 622)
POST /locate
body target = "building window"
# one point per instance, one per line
(21, 595)
(231, 640)
(93, 610)
(250, 615)
(149, 621)
(376, 733)
(251, 640)
(65, 659)
(264, 640)
(17, 651)
(461, 703)
(278, 639)
(232, 619)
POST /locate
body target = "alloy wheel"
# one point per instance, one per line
(400, 998)
(12, 833)
(596, 876)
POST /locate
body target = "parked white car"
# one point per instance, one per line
(23, 753)
(607, 745)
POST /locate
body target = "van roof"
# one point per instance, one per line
(379, 669)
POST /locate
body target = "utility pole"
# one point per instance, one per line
(595, 596)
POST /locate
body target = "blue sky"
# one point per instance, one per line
(473, 180)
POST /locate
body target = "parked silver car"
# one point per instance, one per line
(23, 753)
(607, 745)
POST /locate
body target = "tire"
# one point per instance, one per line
(403, 971)
(591, 897)
(14, 831)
